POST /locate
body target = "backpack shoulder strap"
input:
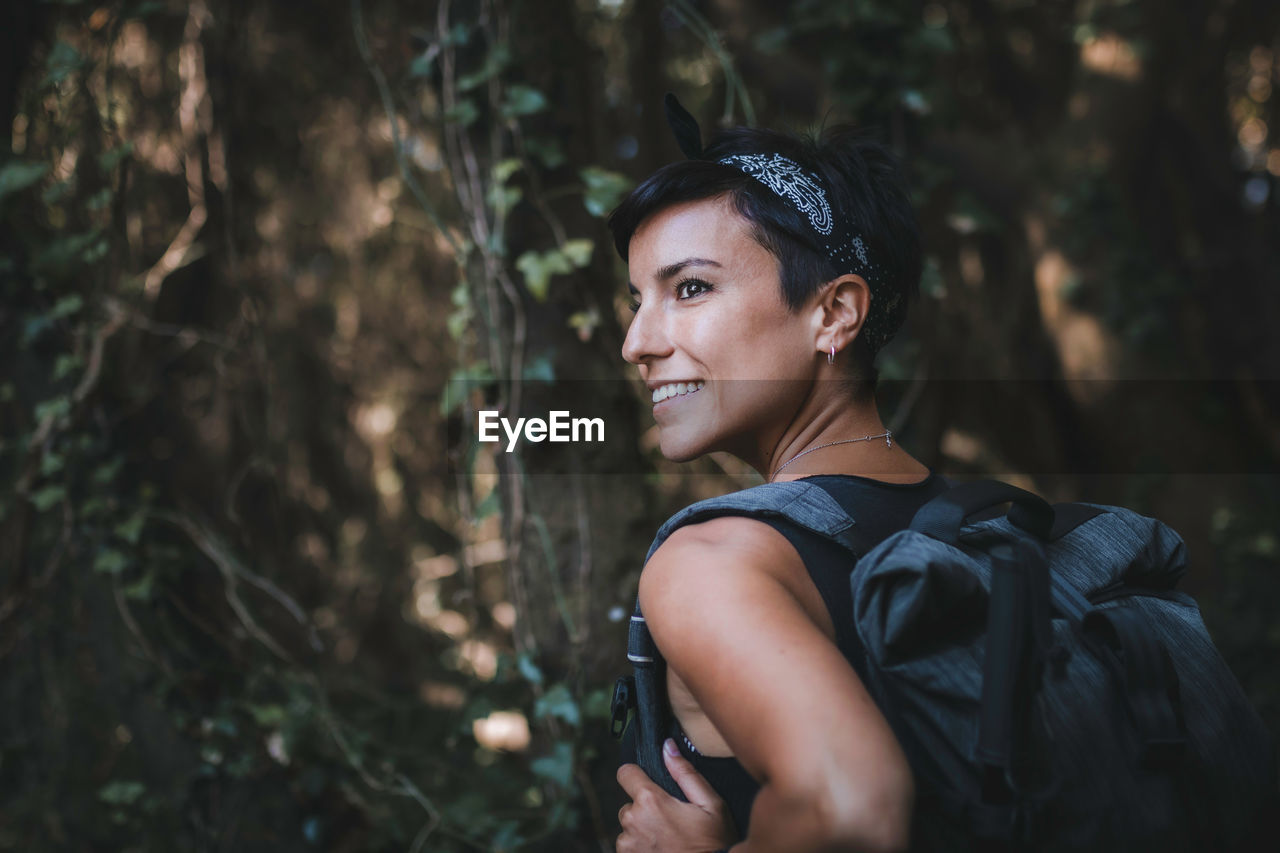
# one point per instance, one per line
(806, 504)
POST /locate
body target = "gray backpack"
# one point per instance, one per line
(1049, 686)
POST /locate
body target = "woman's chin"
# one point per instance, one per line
(678, 449)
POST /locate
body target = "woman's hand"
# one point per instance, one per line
(656, 821)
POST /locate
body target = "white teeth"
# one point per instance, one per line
(675, 389)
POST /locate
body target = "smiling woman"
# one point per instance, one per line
(766, 272)
(700, 319)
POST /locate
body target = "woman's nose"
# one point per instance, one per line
(645, 338)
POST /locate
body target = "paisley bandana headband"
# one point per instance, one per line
(804, 191)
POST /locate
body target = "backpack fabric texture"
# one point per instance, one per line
(1049, 686)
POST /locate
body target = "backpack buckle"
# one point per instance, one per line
(624, 701)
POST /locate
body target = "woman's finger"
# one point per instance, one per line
(695, 787)
(634, 780)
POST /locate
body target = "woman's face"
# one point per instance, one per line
(710, 315)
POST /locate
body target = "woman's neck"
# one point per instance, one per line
(847, 439)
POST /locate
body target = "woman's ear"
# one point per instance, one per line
(842, 308)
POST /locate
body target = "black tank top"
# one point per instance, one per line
(880, 509)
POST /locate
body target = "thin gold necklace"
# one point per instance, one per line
(887, 435)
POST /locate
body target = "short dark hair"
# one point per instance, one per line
(865, 185)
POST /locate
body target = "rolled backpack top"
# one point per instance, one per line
(1049, 686)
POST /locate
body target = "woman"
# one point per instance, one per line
(766, 272)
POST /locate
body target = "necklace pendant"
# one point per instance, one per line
(888, 439)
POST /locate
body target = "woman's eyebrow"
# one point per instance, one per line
(673, 270)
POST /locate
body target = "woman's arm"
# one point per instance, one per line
(724, 601)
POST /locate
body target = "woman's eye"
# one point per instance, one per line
(634, 306)
(699, 285)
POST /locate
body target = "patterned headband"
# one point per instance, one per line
(844, 246)
(805, 192)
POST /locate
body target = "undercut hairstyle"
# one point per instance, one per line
(865, 187)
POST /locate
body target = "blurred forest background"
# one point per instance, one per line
(259, 589)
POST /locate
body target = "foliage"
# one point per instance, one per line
(262, 590)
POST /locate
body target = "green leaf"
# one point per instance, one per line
(57, 191)
(493, 64)
(131, 530)
(458, 322)
(915, 101)
(464, 112)
(598, 704)
(141, 589)
(108, 160)
(67, 252)
(100, 199)
(502, 199)
(65, 365)
(538, 268)
(507, 837)
(120, 793)
(935, 40)
(16, 176)
(66, 306)
(108, 471)
(584, 322)
(546, 149)
(932, 283)
(459, 296)
(51, 463)
(491, 504)
(48, 496)
(495, 245)
(558, 702)
(110, 562)
(478, 372)
(461, 381)
(578, 251)
(95, 506)
(504, 169)
(523, 101)
(529, 669)
(64, 60)
(268, 716)
(603, 189)
(423, 62)
(56, 408)
(558, 766)
(540, 369)
(458, 34)
(98, 251)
